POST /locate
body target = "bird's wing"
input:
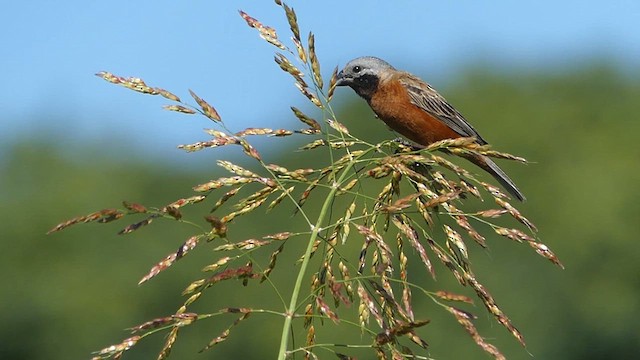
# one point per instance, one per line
(428, 99)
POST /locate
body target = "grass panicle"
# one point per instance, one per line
(387, 214)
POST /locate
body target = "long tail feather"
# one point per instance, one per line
(492, 168)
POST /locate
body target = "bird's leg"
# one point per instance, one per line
(413, 146)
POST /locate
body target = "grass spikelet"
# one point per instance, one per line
(222, 261)
(288, 67)
(187, 201)
(350, 185)
(282, 132)
(107, 76)
(345, 229)
(185, 318)
(446, 261)
(173, 212)
(502, 155)
(385, 292)
(336, 291)
(280, 197)
(134, 207)
(250, 150)
(308, 131)
(225, 334)
(516, 214)
(284, 173)
(514, 234)
(311, 96)
(179, 108)
(168, 345)
(338, 126)
(406, 290)
(543, 250)
(242, 273)
(132, 83)
(305, 119)
(223, 181)
(451, 166)
(107, 214)
(117, 350)
(465, 319)
(454, 238)
(243, 245)
(341, 144)
(266, 32)
(401, 328)
(308, 315)
(272, 262)
(195, 285)
(189, 301)
(470, 189)
(311, 341)
(135, 226)
(324, 308)
(452, 143)
(492, 213)
(315, 64)
(218, 227)
(381, 245)
(367, 307)
(446, 295)
(293, 21)
(259, 195)
(167, 95)
(221, 141)
(443, 182)
(400, 204)
(493, 308)
(401, 222)
(236, 169)
(463, 222)
(494, 191)
(332, 84)
(172, 258)
(207, 109)
(228, 195)
(264, 131)
(305, 194)
(302, 53)
(424, 211)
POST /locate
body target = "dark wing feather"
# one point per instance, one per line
(428, 99)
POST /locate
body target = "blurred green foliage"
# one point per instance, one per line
(74, 292)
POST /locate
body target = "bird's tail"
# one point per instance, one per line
(492, 168)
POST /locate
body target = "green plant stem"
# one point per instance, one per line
(284, 338)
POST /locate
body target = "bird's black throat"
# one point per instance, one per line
(365, 85)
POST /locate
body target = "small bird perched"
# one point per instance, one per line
(413, 108)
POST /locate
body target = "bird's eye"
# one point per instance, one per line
(356, 69)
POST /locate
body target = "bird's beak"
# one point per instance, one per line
(341, 79)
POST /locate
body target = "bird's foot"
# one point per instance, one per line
(404, 142)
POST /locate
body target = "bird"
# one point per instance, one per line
(413, 108)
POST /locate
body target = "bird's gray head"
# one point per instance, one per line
(363, 75)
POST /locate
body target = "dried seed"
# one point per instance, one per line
(315, 64)
(172, 258)
(305, 119)
(179, 108)
(207, 109)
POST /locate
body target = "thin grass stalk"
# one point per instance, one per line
(284, 339)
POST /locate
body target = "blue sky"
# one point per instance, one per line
(50, 51)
